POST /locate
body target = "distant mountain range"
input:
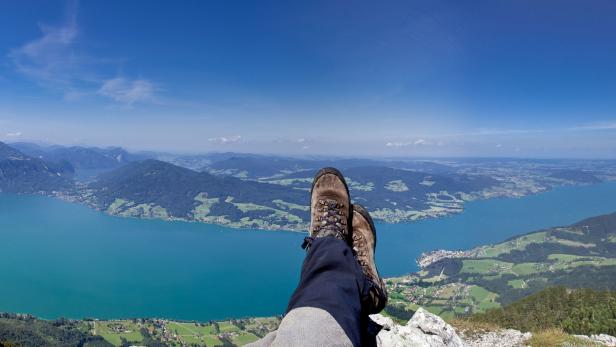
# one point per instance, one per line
(79, 157)
(20, 173)
(156, 189)
(270, 192)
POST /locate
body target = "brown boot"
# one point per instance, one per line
(330, 206)
(364, 245)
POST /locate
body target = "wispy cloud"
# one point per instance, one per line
(51, 60)
(14, 134)
(397, 144)
(225, 139)
(417, 142)
(56, 62)
(127, 91)
(597, 126)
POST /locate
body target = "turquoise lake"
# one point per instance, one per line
(62, 259)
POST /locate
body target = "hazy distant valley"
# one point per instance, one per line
(271, 192)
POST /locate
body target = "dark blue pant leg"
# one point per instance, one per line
(332, 280)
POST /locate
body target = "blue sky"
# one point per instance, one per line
(407, 78)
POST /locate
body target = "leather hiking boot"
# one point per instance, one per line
(330, 206)
(364, 246)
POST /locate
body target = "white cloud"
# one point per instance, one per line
(397, 144)
(597, 126)
(56, 62)
(51, 60)
(225, 139)
(418, 142)
(14, 134)
(127, 91)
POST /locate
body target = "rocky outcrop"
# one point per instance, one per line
(602, 339)
(423, 330)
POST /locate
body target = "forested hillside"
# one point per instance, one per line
(576, 311)
(582, 255)
(20, 173)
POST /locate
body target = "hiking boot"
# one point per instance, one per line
(364, 246)
(330, 206)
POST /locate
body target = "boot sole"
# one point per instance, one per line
(332, 171)
(362, 210)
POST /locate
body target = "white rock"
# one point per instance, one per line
(435, 326)
(423, 330)
(603, 339)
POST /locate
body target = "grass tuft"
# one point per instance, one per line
(557, 337)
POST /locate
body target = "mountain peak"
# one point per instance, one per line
(9, 153)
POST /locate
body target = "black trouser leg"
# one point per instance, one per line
(333, 280)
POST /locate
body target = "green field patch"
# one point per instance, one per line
(448, 292)
(114, 331)
(246, 207)
(397, 186)
(485, 266)
(571, 230)
(396, 296)
(355, 185)
(227, 327)
(435, 279)
(434, 309)
(191, 328)
(483, 299)
(568, 261)
(274, 216)
(566, 257)
(290, 181)
(489, 277)
(460, 310)
(191, 333)
(523, 269)
(142, 211)
(244, 338)
(412, 306)
(279, 215)
(488, 305)
(283, 205)
(118, 205)
(573, 243)
(517, 284)
(447, 314)
(519, 243)
(202, 210)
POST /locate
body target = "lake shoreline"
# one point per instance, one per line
(69, 260)
(302, 228)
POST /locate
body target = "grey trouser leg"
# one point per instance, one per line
(306, 326)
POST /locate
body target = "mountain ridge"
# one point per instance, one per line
(20, 173)
(269, 192)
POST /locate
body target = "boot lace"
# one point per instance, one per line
(330, 221)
